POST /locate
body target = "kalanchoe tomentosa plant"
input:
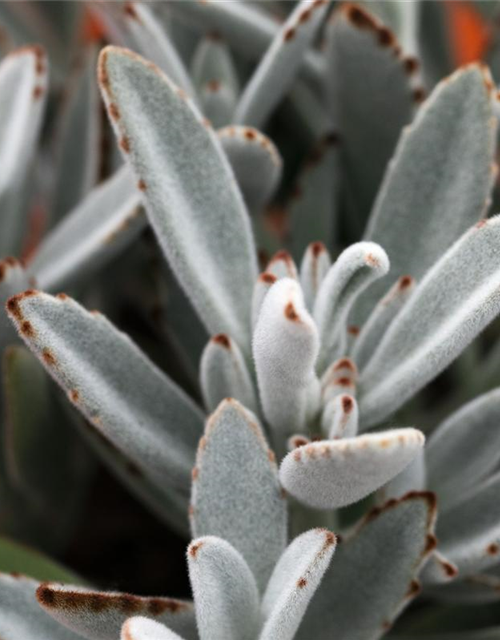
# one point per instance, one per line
(304, 360)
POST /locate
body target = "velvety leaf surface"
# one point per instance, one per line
(373, 574)
(196, 209)
(236, 493)
(139, 628)
(457, 298)
(128, 400)
(334, 473)
(370, 96)
(314, 267)
(99, 615)
(23, 87)
(293, 583)
(101, 226)
(440, 178)
(225, 592)
(280, 63)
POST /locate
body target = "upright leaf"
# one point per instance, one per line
(439, 180)
(194, 207)
(236, 492)
(457, 298)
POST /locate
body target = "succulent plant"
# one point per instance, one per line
(305, 356)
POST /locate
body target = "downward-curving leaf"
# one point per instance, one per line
(23, 87)
(465, 448)
(365, 60)
(373, 574)
(335, 473)
(128, 400)
(285, 348)
(102, 225)
(236, 492)
(153, 43)
(139, 628)
(194, 205)
(279, 65)
(256, 163)
(248, 30)
(294, 582)
(440, 179)
(457, 298)
(224, 590)
(20, 616)
(99, 615)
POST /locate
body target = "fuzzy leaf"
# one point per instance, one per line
(285, 348)
(313, 269)
(457, 298)
(20, 616)
(236, 492)
(440, 179)
(281, 62)
(340, 417)
(334, 473)
(469, 532)
(99, 615)
(365, 60)
(101, 226)
(256, 163)
(382, 315)
(129, 401)
(23, 87)
(153, 43)
(282, 265)
(225, 592)
(264, 282)
(293, 583)
(465, 448)
(195, 209)
(355, 269)
(373, 574)
(246, 29)
(78, 155)
(224, 374)
(139, 628)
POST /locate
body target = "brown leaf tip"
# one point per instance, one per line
(317, 248)
(301, 583)
(45, 595)
(130, 11)
(347, 404)
(360, 17)
(353, 330)
(419, 95)
(405, 282)
(291, 313)
(450, 569)
(194, 548)
(289, 34)
(330, 538)
(268, 278)
(222, 340)
(345, 363)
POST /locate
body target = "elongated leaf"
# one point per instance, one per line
(264, 282)
(99, 615)
(236, 493)
(285, 348)
(340, 417)
(20, 616)
(79, 150)
(17, 558)
(101, 226)
(195, 209)
(225, 591)
(354, 270)
(281, 62)
(224, 374)
(314, 267)
(139, 628)
(153, 43)
(247, 30)
(382, 315)
(373, 574)
(217, 102)
(365, 59)
(113, 384)
(453, 303)
(335, 473)
(440, 178)
(23, 87)
(282, 265)
(465, 448)
(293, 583)
(256, 163)
(212, 61)
(469, 533)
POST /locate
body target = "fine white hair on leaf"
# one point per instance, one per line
(313, 269)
